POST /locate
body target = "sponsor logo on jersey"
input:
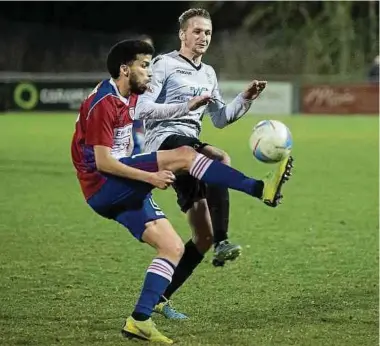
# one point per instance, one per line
(183, 72)
(122, 141)
(198, 91)
(132, 112)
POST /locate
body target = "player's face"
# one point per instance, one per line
(197, 36)
(141, 74)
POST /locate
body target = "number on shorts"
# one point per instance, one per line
(156, 207)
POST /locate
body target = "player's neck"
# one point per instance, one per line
(195, 59)
(122, 87)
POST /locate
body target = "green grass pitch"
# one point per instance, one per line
(308, 274)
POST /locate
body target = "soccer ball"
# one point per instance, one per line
(270, 141)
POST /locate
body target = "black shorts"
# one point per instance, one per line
(188, 188)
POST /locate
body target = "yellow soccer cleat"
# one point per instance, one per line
(143, 330)
(273, 182)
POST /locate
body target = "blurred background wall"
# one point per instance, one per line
(297, 42)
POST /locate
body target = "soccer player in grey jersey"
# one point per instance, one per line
(177, 77)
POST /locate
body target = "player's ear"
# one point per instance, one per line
(124, 70)
(181, 35)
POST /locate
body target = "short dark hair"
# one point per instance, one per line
(125, 52)
(192, 12)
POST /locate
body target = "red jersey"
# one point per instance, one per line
(105, 118)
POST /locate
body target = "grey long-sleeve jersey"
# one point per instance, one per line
(176, 80)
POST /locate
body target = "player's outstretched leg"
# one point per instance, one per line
(216, 173)
(268, 190)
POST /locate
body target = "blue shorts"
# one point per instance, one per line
(128, 201)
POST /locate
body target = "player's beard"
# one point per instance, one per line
(136, 87)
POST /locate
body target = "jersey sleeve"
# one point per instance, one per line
(100, 121)
(223, 114)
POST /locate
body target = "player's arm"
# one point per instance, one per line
(147, 108)
(108, 164)
(224, 114)
(100, 136)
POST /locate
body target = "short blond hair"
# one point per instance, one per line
(192, 12)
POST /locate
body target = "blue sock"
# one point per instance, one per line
(158, 277)
(217, 173)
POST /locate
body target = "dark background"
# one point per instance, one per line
(148, 16)
(281, 38)
(110, 16)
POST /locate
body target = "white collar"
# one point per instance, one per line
(124, 99)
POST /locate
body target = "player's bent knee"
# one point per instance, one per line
(185, 155)
(216, 154)
(177, 250)
(226, 159)
(186, 152)
(223, 157)
(172, 250)
(176, 160)
(203, 242)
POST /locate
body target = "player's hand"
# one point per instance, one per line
(254, 89)
(162, 179)
(198, 101)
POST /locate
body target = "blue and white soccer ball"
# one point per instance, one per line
(270, 141)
